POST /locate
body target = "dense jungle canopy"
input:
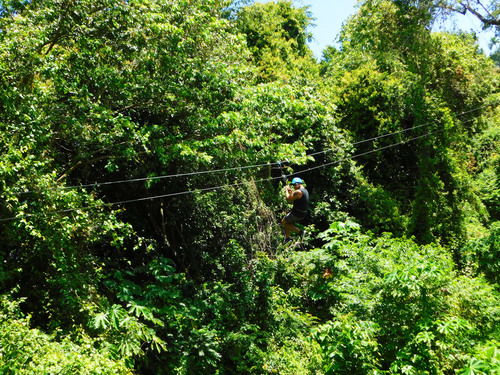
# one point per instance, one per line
(142, 146)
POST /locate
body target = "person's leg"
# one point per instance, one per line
(288, 222)
(288, 228)
(293, 228)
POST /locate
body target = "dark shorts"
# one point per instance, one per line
(290, 218)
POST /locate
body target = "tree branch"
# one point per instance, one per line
(58, 32)
(488, 21)
(80, 162)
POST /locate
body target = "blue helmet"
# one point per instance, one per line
(297, 180)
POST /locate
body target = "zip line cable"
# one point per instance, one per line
(239, 168)
(366, 153)
(159, 177)
(405, 130)
(214, 188)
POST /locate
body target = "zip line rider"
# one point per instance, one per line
(300, 198)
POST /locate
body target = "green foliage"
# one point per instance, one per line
(25, 350)
(378, 210)
(495, 56)
(393, 76)
(403, 304)
(276, 122)
(482, 255)
(349, 346)
(173, 100)
(485, 361)
(276, 34)
(125, 334)
(485, 167)
(295, 356)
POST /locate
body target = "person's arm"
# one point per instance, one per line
(292, 195)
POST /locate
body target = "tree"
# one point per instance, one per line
(98, 90)
(394, 76)
(277, 35)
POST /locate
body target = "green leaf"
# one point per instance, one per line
(100, 320)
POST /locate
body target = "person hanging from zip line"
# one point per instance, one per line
(300, 198)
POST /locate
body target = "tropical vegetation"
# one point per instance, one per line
(144, 148)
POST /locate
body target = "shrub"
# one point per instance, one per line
(26, 350)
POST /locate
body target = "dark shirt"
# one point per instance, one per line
(300, 206)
